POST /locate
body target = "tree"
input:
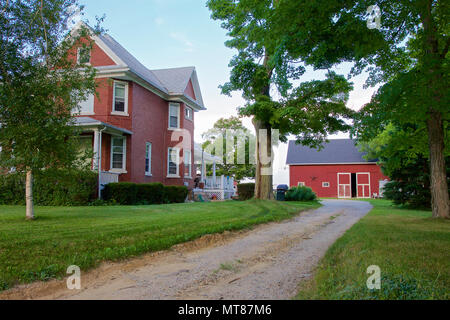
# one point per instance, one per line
(237, 144)
(40, 84)
(403, 156)
(408, 52)
(263, 66)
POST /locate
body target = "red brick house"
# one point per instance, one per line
(339, 170)
(141, 125)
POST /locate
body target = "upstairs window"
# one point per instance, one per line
(174, 116)
(120, 100)
(118, 153)
(173, 162)
(84, 55)
(189, 113)
(148, 159)
(187, 164)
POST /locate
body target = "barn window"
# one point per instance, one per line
(325, 184)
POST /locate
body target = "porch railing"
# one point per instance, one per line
(108, 177)
(219, 183)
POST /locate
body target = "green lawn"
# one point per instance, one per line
(85, 236)
(411, 248)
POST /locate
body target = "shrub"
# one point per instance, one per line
(52, 187)
(123, 193)
(300, 194)
(150, 193)
(175, 194)
(246, 191)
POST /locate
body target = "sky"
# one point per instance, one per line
(179, 33)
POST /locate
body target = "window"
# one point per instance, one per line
(84, 56)
(301, 184)
(148, 159)
(120, 101)
(188, 112)
(325, 184)
(87, 106)
(173, 162)
(187, 164)
(118, 153)
(174, 116)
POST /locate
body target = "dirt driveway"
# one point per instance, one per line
(267, 262)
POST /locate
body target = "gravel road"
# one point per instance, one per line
(268, 262)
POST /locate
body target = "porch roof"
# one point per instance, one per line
(94, 123)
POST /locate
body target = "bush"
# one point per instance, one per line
(175, 194)
(246, 191)
(126, 193)
(123, 193)
(52, 187)
(150, 193)
(300, 194)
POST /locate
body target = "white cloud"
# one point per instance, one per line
(159, 21)
(180, 37)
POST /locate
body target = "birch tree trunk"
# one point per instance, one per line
(29, 195)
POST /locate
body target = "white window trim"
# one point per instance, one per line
(325, 185)
(177, 175)
(119, 113)
(78, 56)
(190, 164)
(191, 111)
(124, 164)
(148, 173)
(179, 108)
(301, 184)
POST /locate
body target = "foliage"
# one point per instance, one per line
(150, 193)
(406, 244)
(88, 236)
(175, 194)
(127, 193)
(300, 193)
(53, 187)
(237, 144)
(246, 191)
(123, 193)
(41, 83)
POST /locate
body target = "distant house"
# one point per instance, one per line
(339, 170)
(131, 125)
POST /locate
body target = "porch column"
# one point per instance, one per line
(96, 149)
(214, 174)
(203, 169)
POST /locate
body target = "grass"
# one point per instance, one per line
(411, 248)
(85, 236)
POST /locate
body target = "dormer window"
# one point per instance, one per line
(120, 98)
(84, 56)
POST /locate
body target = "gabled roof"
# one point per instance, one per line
(339, 151)
(169, 83)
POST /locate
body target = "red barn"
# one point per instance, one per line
(337, 171)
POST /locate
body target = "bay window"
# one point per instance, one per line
(174, 116)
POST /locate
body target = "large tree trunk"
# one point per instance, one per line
(264, 160)
(438, 171)
(29, 196)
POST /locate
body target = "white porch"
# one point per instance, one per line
(218, 187)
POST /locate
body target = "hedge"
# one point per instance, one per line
(175, 194)
(52, 187)
(246, 191)
(125, 193)
(301, 193)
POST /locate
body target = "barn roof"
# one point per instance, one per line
(339, 151)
